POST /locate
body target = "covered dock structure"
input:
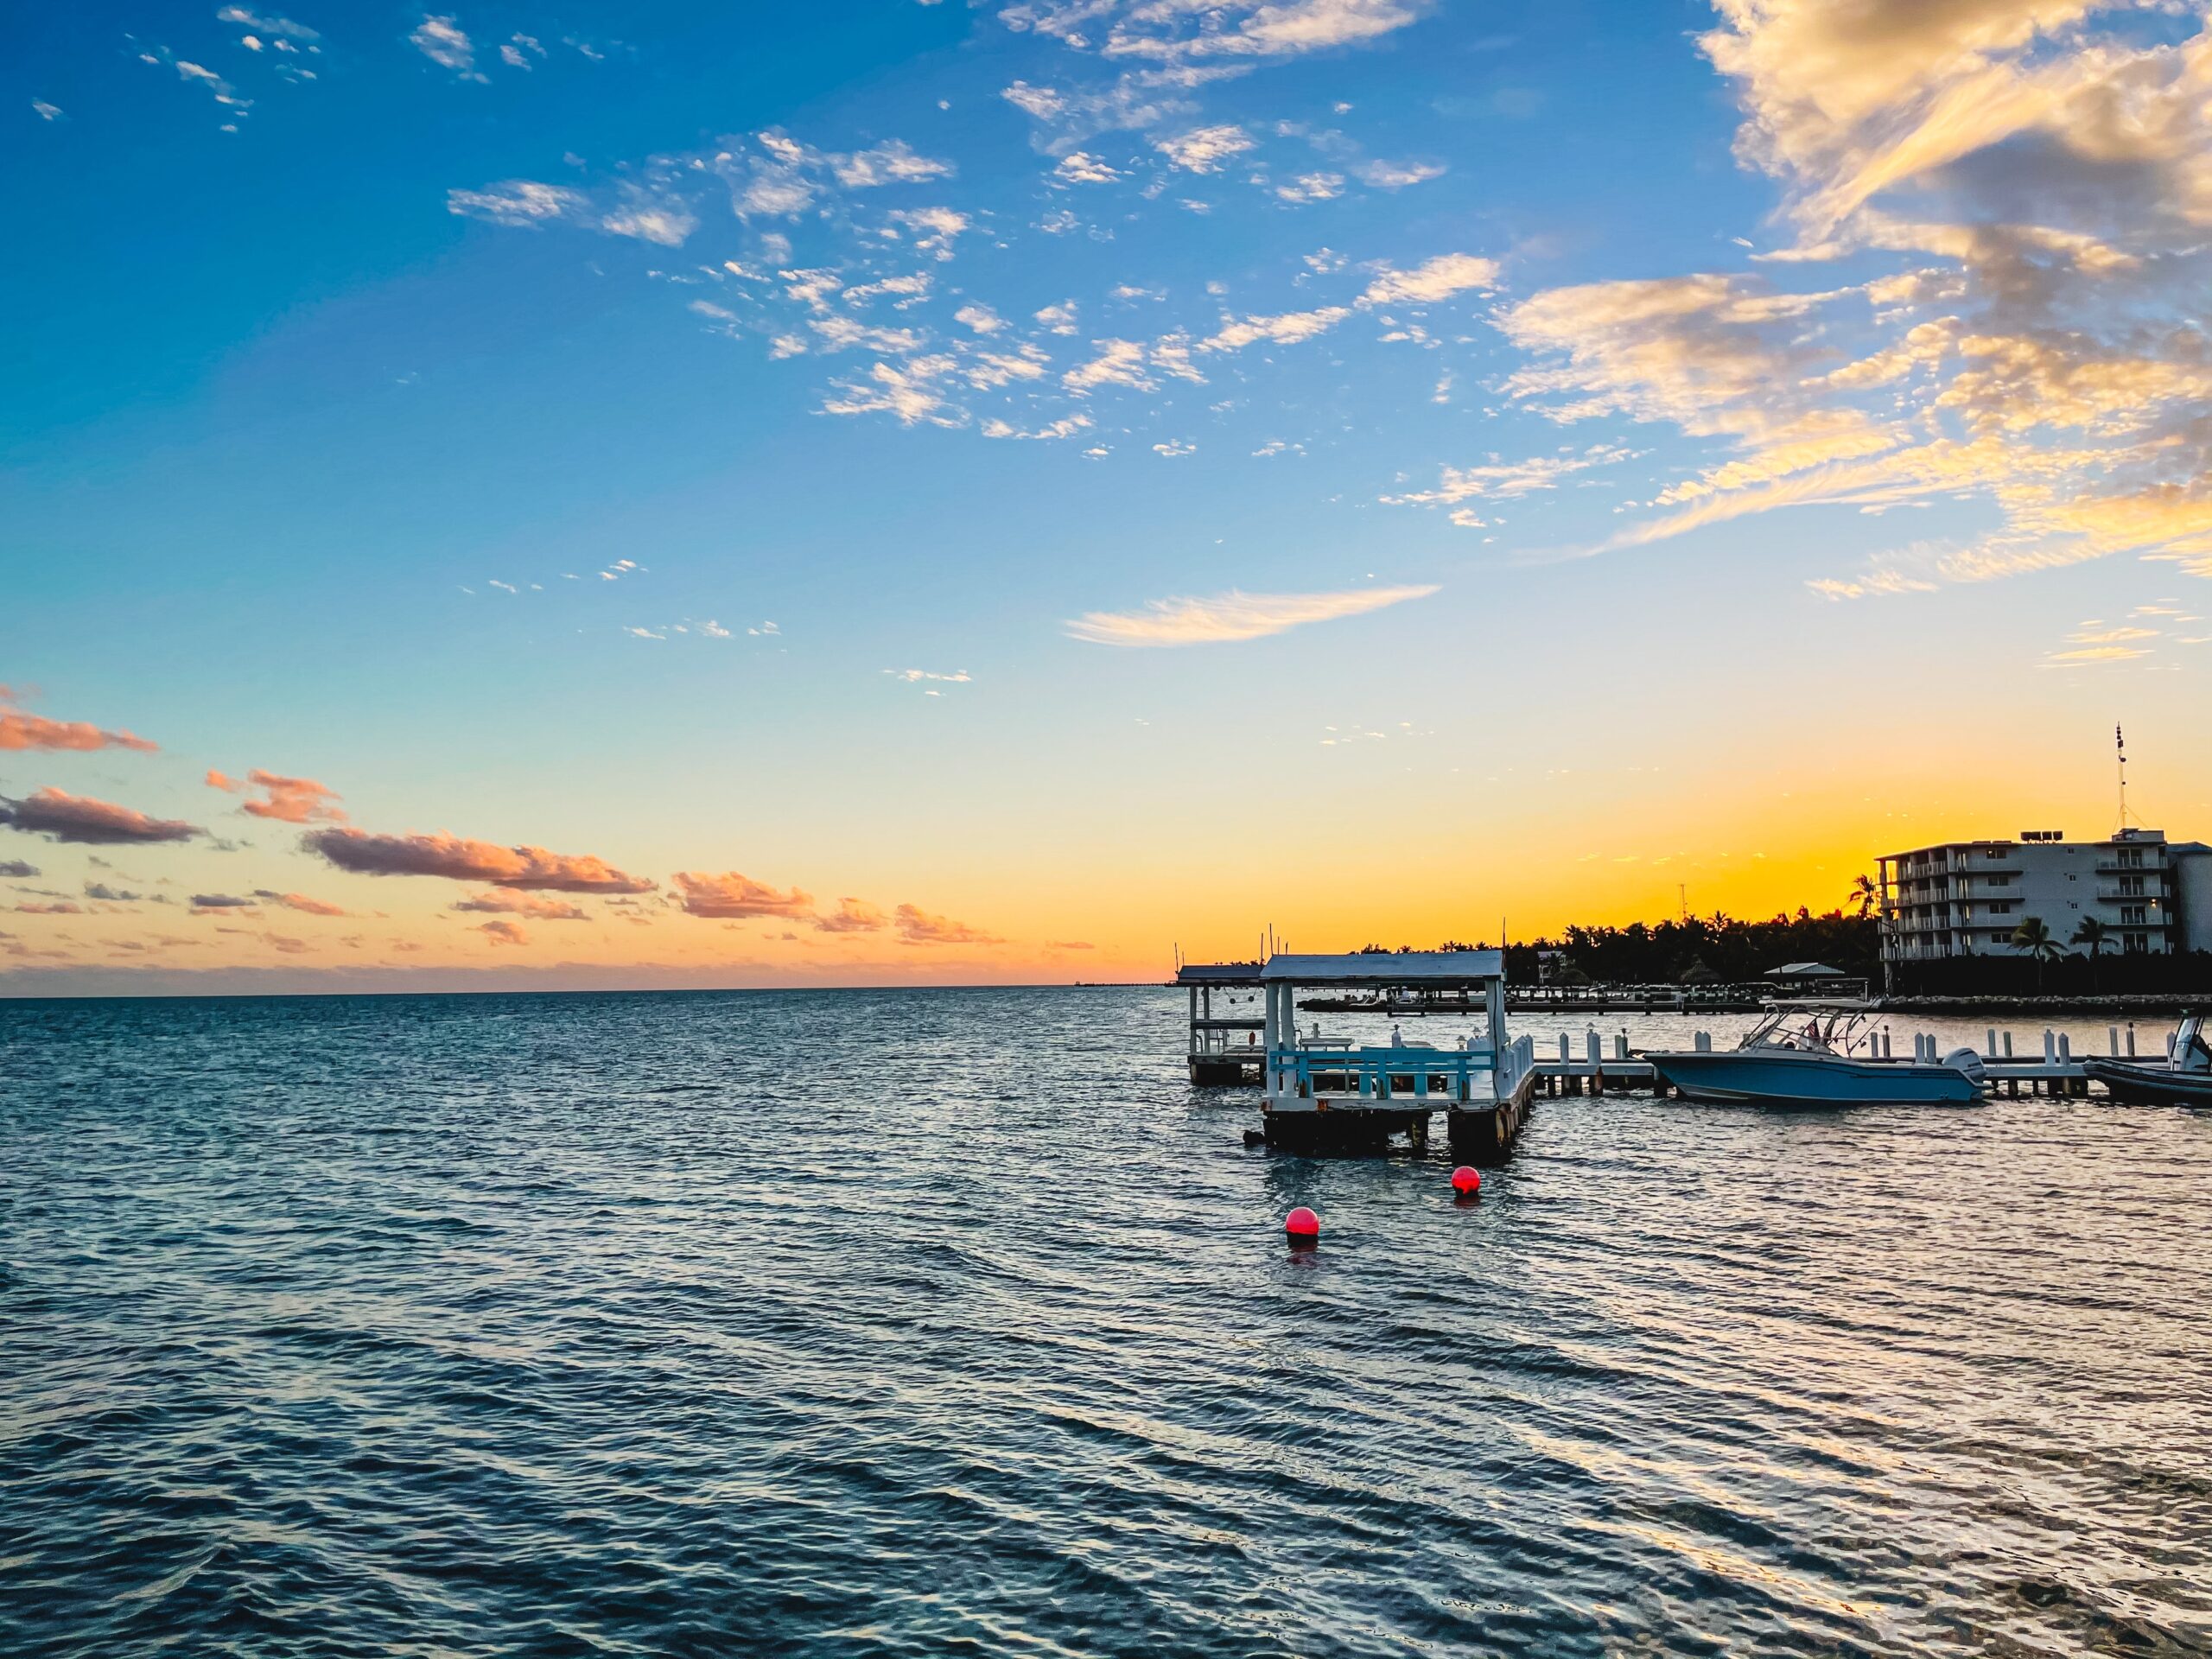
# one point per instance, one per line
(1224, 1046)
(1323, 1094)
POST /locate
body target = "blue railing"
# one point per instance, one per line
(1386, 1073)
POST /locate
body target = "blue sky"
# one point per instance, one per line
(947, 451)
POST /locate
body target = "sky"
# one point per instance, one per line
(671, 494)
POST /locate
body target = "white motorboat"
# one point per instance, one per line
(2184, 1080)
(1819, 1053)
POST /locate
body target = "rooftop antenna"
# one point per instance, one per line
(2119, 743)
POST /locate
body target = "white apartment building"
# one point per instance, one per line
(1966, 897)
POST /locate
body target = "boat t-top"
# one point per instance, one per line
(2184, 1080)
(1818, 1051)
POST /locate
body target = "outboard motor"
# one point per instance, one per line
(1966, 1060)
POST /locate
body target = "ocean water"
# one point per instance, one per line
(906, 1323)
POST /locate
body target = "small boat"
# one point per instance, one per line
(2184, 1080)
(1818, 1052)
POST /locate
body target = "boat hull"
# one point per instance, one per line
(2151, 1085)
(1784, 1077)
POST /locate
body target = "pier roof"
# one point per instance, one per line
(1218, 973)
(1403, 967)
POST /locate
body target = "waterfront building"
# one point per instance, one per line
(1965, 897)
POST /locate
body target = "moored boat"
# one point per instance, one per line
(2184, 1080)
(1820, 1053)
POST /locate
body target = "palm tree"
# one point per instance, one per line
(2032, 936)
(2092, 933)
(1864, 895)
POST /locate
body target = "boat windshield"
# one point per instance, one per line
(2192, 1052)
(1810, 1028)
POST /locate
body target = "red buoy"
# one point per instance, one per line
(1466, 1182)
(1303, 1225)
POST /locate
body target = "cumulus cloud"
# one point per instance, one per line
(504, 933)
(2041, 171)
(58, 815)
(363, 853)
(1232, 616)
(732, 895)
(1432, 281)
(286, 800)
(1204, 149)
(19, 730)
(917, 926)
(1287, 329)
(853, 916)
(15, 869)
(444, 43)
(1077, 167)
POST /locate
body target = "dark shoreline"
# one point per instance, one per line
(2153, 1002)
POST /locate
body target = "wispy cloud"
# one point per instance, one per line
(1226, 618)
(535, 906)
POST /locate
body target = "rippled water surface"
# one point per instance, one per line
(928, 1322)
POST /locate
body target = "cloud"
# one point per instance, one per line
(289, 800)
(518, 202)
(1078, 167)
(499, 902)
(1505, 480)
(852, 916)
(912, 391)
(892, 162)
(934, 229)
(15, 869)
(913, 676)
(1312, 186)
(1396, 176)
(300, 902)
(1432, 281)
(504, 933)
(59, 907)
(211, 901)
(920, 927)
(647, 220)
(362, 852)
(21, 731)
(1287, 329)
(1203, 150)
(442, 40)
(979, 317)
(1232, 616)
(79, 818)
(1181, 33)
(731, 895)
(1119, 362)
